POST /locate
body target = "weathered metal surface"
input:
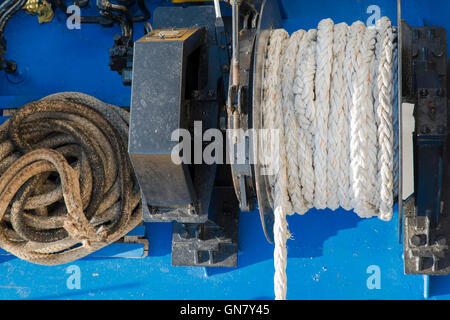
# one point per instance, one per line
(240, 119)
(426, 225)
(158, 109)
(270, 18)
(214, 243)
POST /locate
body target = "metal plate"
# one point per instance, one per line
(168, 34)
(269, 19)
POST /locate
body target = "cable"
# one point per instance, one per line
(67, 187)
(328, 97)
(11, 8)
(7, 9)
(144, 16)
(83, 19)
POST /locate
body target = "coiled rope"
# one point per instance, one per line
(67, 187)
(331, 94)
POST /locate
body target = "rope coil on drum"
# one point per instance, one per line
(67, 187)
(331, 94)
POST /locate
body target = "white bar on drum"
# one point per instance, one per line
(408, 125)
(217, 8)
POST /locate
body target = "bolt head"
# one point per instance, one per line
(418, 240)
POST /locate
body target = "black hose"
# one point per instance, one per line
(7, 10)
(5, 5)
(9, 13)
(122, 18)
(145, 13)
(105, 5)
(98, 19)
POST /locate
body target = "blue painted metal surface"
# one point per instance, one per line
(328, 259)
(333, 255)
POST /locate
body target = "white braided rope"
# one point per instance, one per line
(305, 113)
(358, 135)
(338, 179)
(384, 119)
(395, 114)
(330, 94)
(291, 126)
(281, 195)
(367, 134)
(349, 75)
(324, 60)
(273, 119)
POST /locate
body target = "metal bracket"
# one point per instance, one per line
(239, 120)
(214, 243)
(424, 83)
(426, 249)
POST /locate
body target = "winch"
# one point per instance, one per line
(194, 83)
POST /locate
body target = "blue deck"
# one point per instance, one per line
(333, 255)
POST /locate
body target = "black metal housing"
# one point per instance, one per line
(180, 71)
(426, 222)
(158, 108)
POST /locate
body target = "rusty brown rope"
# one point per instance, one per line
(67, 187)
